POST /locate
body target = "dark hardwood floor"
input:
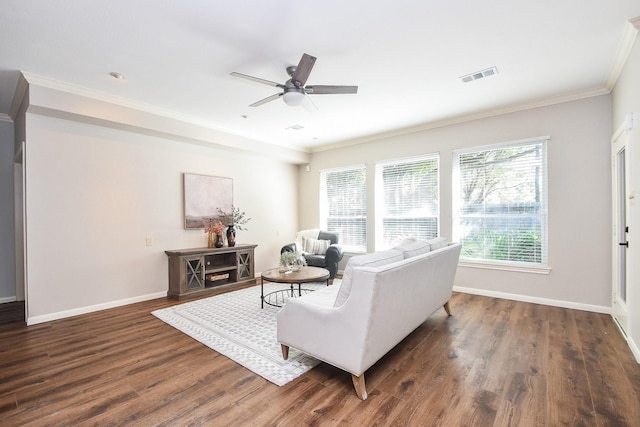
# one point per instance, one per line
(493, 363)
(12, 312)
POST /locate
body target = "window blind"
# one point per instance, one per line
(500, 203)
(406, 200)
(343, 205)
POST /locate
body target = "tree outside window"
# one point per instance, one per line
(500, 197)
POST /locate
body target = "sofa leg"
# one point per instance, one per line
(358, 383)
(447, 308)
(285, 351)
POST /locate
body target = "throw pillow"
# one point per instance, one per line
(314, 246)
(312, 233)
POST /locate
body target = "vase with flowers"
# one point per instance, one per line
(234, 220)
(214, 232)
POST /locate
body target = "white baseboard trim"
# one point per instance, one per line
(90, 309)
(535, 300)
(634, 349)
(7, 299)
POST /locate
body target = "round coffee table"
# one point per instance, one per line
(304, 275)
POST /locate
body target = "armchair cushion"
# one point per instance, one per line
(315, 260)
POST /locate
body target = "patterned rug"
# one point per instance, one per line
(233, 324)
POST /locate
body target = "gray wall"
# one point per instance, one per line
(579, 196)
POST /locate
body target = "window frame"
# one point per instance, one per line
(324, 208)
(380, 202)
(534, 267)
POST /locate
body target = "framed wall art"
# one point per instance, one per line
(203, 195)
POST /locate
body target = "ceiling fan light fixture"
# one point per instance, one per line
(293, 98)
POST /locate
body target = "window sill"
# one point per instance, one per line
(504, 267)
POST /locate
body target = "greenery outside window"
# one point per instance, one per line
(406, 192)
(343, 205)
(500, 203)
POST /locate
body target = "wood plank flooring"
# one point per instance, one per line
(493, 363)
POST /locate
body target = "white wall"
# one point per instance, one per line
(579, 196)
(95, 193)
(626, 99)
(7, 256)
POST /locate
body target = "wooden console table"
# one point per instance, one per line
(200, 271)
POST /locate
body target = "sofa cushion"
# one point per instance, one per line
(411, 248)
(375, 259)
(438, 243)
(315, 246)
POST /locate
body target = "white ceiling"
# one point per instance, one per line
(405, 56)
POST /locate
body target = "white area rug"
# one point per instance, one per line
(233, 324)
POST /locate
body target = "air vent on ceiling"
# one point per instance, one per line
(295, 127)
(479, 75)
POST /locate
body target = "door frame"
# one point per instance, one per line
(621, 233)
(19, 206)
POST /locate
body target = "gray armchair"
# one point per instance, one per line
(329, 260)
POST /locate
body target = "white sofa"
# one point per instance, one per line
(383, 297)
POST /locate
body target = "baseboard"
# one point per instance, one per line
(90, 309)
(634, 349)
(535, 300)
(7, 299)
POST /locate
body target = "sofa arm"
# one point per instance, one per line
(330, 334)
(331, 258)
(291, 247)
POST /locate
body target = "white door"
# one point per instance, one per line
(621, 162)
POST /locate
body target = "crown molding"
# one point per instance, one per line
(18, 96)
(93, 94)
(545, 102)
(63, 100)
(624, 49)
(73, 89)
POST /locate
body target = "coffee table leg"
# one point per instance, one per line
(262, 292)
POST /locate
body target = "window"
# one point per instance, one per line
(406, 200)
(500, 203)
(343, 205)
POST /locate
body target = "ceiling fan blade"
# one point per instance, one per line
(328, 89)
(257, 79)
(309, 105)
(304, 69)
(267, 99)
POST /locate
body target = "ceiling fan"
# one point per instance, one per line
(294, 89)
